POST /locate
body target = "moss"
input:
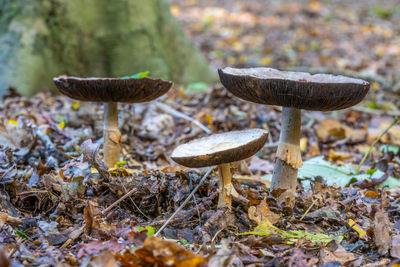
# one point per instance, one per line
(45, 38)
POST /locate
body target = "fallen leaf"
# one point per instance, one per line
(381, 232)
(260, 165)
(395, 251)
(338, 156)
(156, 251)
(261, 212)
(362, 234)
(391, 137)
(265, 228)
(104, 259)
(331, 130)
(342, 257)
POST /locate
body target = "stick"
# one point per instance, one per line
(376, 141)
(179, 114)
(133, 190)
(186, 200)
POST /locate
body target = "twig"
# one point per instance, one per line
(47, 117)
(179, 114)
(186, 200)
(134, 204)
(376, 141)
(133, 190)
(308, 210)
(216, 234)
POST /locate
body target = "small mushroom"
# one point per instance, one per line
(293, 91)
(221, 149)
(110, 91)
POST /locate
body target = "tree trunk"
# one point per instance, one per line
(40, 39)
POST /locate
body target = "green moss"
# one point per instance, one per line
(41, 39)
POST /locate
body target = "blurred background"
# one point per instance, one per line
(362, 36)
(45, 38)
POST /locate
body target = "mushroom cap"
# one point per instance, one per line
(300, 90)
(132, 90)
(220, 148)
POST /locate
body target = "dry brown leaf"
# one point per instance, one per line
(161, 252)
(340, 256)
(105, 259)
(381, 232)
(261, 212)
(338, 156)
(260, 165)
(391, 137)
(4, 261)
(313, 150)
(395, 251)
(5, 218)
(332, 130)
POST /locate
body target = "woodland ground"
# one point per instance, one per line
(54, 194)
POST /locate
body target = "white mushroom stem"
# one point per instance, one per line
(288, 158)
(226, 190)
(112, 135)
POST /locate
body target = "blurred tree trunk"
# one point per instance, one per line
(40, 39)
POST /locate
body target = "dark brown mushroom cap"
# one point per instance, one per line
(300, 90)
(220, 148)
(131, 90)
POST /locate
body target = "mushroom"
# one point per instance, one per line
(110, 91)
(221, 149)
(293, 91)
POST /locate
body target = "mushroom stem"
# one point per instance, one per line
(112, 135)
(226, 189)
(288, 158)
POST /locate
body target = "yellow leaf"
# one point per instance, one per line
(119, 163)
(375, 86)
(303, 144)
(266, 228)
(209, 119)
(75, 105)
(265, 61)
(13, 122)
(175, 10)
(61, 125)
(372, 194)
(361, 233)
(231, 60)
(242, 59)
(338, 156)
(93, 170)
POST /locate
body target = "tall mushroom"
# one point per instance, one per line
(293, 91)
(221, 149)
(110, 91)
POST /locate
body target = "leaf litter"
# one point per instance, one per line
(61, 207)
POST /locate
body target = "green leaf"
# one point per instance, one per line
(184, 242)
(150, 230)
(197, 87)
(266, 228)
(137, 75)
(383, 12)
(371, 171)
(21, 234)
(333, 174)
(385, 148)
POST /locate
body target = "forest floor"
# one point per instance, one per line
(56, 198)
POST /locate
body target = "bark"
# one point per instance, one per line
(41, 39)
